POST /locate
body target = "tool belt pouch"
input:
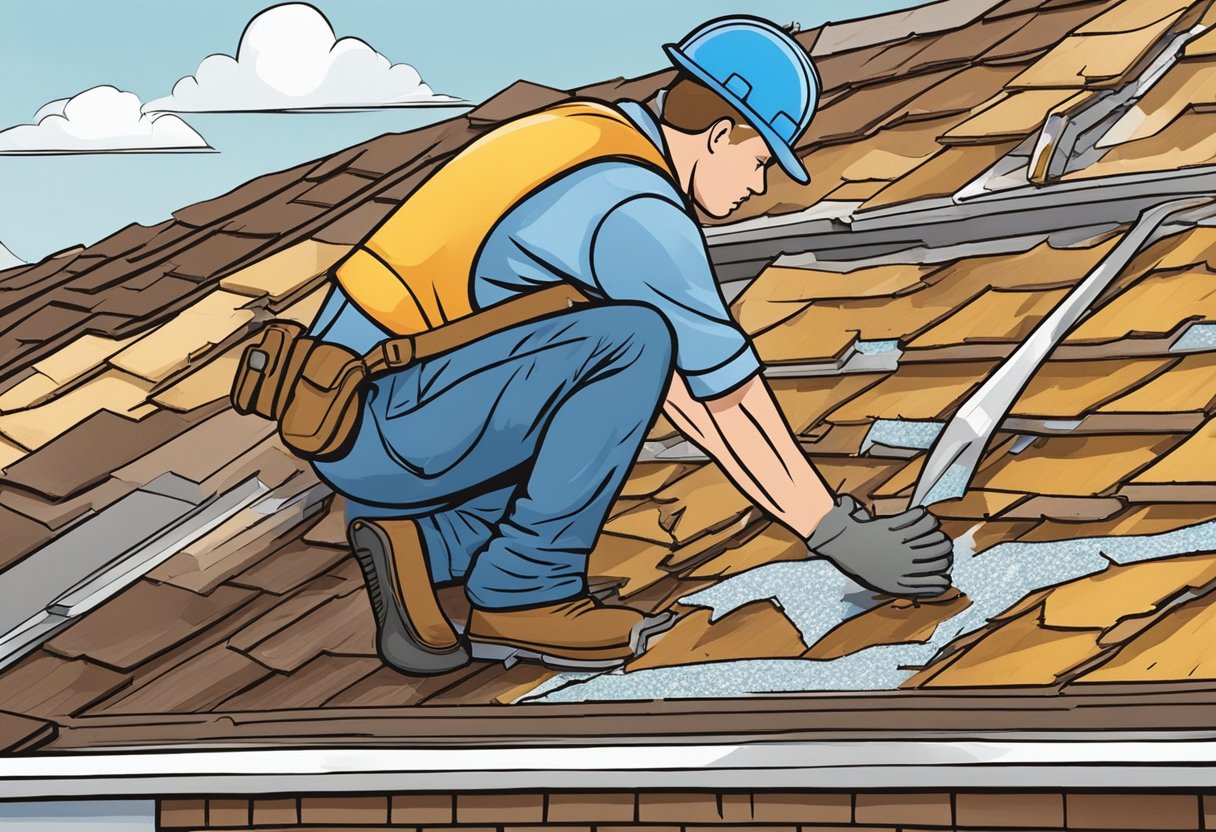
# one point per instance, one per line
(313, 389)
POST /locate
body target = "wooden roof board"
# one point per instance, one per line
(1190, 462)
(1094, 61)
(1075, 465)
(1178, 647)
(804, 401)
(780, 291)
(167, 349)
(1011, 117)
(116, 391)
(825, 328)
(1019, 652)
(1188, 141)
(893, 622)
(1133, 15)
(997, 315)
(284, 272)
(1187, 386)
(942, 175)
(1070, 389)
(915, 392)
(753, 631)
(1186, 85)
(1097, 602)
(1144, 519)
(1154, 305)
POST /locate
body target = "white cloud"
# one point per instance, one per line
(8, 259)
(99, 120)
(289, 59)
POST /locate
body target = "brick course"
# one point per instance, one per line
(697, 811)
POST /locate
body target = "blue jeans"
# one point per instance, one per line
(510, 450)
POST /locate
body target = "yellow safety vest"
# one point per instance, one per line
(414, 271)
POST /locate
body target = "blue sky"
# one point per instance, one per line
(54, 49)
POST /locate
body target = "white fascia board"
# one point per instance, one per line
(1102, 760)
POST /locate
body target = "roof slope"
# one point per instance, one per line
(126, 475)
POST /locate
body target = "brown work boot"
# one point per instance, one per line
(412, 633)
(578, 634)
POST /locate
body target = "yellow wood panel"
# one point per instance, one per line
(282, 273)
(1180, 647)
(1099, 601)
(1071, 465)
(916, 391)
(1155, 305)
(1189, 462)
(996, 315)
(1093, 60)
(1070, 389)
(755, 631)
(1188, 386)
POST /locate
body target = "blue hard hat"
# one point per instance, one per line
(762, 72)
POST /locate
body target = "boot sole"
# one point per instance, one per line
(406, 651)
(509, 653)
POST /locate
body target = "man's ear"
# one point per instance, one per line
(719, 134)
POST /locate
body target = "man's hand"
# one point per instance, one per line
(905, 555)
(746, 434)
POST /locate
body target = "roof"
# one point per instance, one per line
(169, 562)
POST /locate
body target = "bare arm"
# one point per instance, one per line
(745, 432)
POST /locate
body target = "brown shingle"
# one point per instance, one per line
(895, 622)
(1019, 652)
(1074, 465)
(1069, 389)
(143, 620)
(1176, 648)
(1094, 60)
(754, 631)
(917, 391)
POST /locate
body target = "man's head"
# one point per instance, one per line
(746, 92)
(720, 159)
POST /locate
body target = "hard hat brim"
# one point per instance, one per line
(785, 155)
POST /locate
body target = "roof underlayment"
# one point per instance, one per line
(972, 163)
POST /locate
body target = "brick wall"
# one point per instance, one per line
(698, 811)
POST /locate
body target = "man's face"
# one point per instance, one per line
(729, 173)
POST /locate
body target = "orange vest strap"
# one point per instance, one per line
(414, 271)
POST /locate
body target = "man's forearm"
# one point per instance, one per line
(746, 434)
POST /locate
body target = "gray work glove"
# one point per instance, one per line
(907, 555)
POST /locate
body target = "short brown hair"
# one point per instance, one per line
(691, 107)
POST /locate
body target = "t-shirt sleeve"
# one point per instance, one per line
(650, 250)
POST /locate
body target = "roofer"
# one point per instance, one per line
(495, 462)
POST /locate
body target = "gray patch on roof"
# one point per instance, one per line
(1197, 338)
(993, 580)
(901, 433)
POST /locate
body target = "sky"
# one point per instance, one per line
(54, 49)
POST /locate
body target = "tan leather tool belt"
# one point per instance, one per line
(315, 390)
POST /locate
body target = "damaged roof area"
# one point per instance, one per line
(168, 563)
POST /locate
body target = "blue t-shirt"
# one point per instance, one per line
(621, 231)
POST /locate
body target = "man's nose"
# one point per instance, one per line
(758, 187)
